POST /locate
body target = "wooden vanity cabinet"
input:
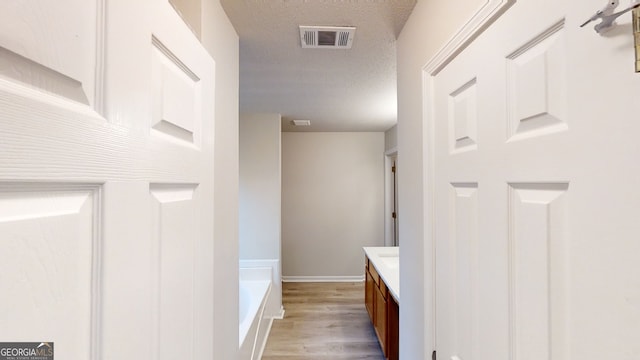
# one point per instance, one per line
(383, 311)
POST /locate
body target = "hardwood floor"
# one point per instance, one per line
(323, 321)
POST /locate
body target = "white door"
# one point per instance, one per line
(106, 184)
(535, 166)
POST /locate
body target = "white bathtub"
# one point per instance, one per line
(253, 327)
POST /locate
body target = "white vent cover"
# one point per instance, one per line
(301, 122)
(327, 37)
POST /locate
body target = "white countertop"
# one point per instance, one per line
(387, 264)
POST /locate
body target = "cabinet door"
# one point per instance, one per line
(393, 338)
(381, 317)
(369, 294)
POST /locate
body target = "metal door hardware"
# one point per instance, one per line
(608, 16)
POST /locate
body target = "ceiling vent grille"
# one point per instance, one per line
(301, 122)
(327, 37)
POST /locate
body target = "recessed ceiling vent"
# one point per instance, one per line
(301, 122)
(327, 37)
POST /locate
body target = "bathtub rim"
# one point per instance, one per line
(245, 324)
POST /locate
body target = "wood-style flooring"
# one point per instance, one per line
(323, 321)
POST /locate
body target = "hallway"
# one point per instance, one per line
(323, 321)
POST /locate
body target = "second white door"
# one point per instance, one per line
(535, 204)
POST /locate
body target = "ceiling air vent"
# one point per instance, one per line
(301, 122)
(327, 37)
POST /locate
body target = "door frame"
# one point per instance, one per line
(389, 155)
(479, 21)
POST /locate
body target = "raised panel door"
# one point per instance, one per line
(106, 187)
(531, 219)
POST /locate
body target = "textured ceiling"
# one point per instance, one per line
(338, 90)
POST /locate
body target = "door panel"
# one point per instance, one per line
(47, 266)
(174, 228)
(464, 249)
(533, 147)
(459, 139)
(177, 107)
(463, 110)
(536, 80)
(45, 46)
(169, 73)
(537, 239)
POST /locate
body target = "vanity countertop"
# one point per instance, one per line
(387, 264)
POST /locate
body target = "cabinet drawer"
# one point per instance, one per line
(384, 290)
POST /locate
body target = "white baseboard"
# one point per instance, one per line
(323, 278)
(279, 315)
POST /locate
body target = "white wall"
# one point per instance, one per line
(391, 138)
(332, 202)
(430, 26)
(260, 198)
(221, 40)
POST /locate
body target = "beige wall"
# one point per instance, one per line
(221, 40)
(429, 27)
(332, 201)
(260, 186)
